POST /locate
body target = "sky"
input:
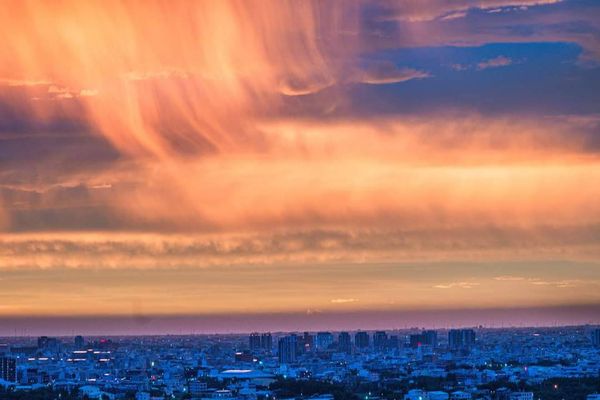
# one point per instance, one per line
(351, 163)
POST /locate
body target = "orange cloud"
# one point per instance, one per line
(176, 76)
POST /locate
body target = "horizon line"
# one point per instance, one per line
(239, 323)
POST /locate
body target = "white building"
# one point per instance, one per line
(142, 396)
(460, 395)
(196, 387)
(437, 395)
(92, 392)
(416, 394)
(521, 396)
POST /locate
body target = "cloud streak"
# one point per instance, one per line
(344, 301)
(458, 285)
(386, 73)
(496, 62)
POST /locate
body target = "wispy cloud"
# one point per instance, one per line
(24, 82)
(562, 283)
(459, 285)
(509, 278)
(496, 62)
(454, 15)
(382, 73)
(565, 283)
(344, 300)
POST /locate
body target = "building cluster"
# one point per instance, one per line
(456, 364)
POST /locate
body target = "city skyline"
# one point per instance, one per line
(410, 364)
(318, 162)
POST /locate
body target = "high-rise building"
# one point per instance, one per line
(344, 342)
(461, 338)
(306, 343)
(415, 340)
(8, 369)
(287, 349)
(361, 340)
(596, 337)
(469, 337)
(455, 339)
(428, 338)
(48, 343)
(324, 340)
(380, 339)
(42, 342)
(266, 342)
(79, 342)
(393, 342)
(254, 341)
(260, 341)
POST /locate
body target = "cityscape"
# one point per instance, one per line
(299, 199)
(456, 364)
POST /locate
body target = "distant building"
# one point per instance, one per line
(142, 396)
(596, 337)
(48, 343)
(257, 341)
(324, 340)
(502, 393)
(461, 338)
(468, 337)
(415, 394)
(455, 339)
(521, 396)
(222, 394)
(8, 369)
(42, 342)
(196, 388)
(306, 343)
(415, 340)
(90, 392)
(380, 339)
(361, 340)
(287, 349)
(79, 342)
(428, 338)
(393, 342)
(437, 395)
(254, 341)
(266, 342)
(344, 342)
(460, 395)
(244, 356)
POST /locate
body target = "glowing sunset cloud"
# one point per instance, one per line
(296, 155)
